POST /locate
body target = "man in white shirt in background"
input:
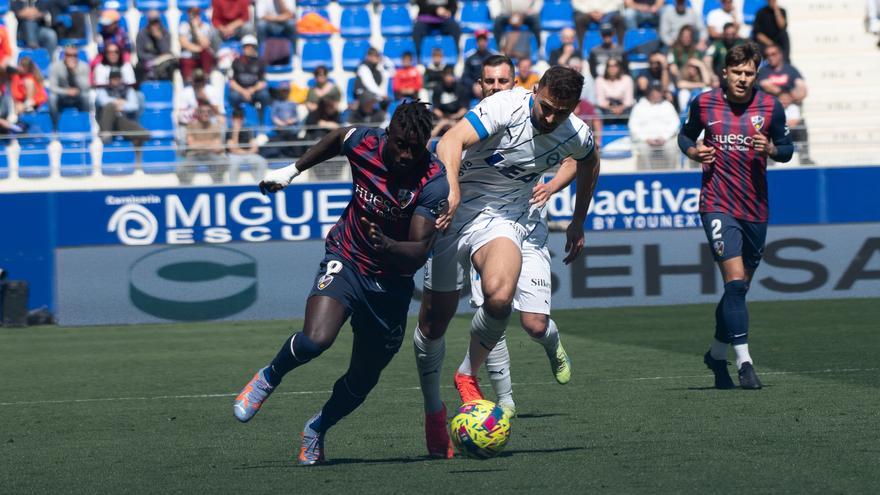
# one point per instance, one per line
(653, 125)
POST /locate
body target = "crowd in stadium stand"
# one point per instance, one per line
(228, 81)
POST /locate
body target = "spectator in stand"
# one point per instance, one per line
(674, 17)
(201, 89)
(153, 45)
(602, 53)
(407, 80)
(569, 48)
(587, 112)
(614, 93)
(197, 45)
(111, 59)
(451, 101)
(515, 14)
(111, 32)
(597, 12)
(683, 50)
(248, 82)
(275, 19)
(323, 120)
(365, 112)
(720, 17)
(34, 30)
(784, 81)
(68, 83)
(6, 125)
(588, 92)
(717, 52)
(204, 146)
(323, 89)
(693, 80)
(771, 28)
(285, 119)
(641, 12)
(117, 107)
(435, 69)
(242, 149)
(373, 75)
(435, 16)
(232, 19)
(525, 76)
(653, 125)
(5, 50)
(658, 72)
(28, 91)
(473, 63)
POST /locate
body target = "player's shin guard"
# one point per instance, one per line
(720, 328)
(296, 351)
(734, 314)
(498, 365)
(429, 360)
(486, 331)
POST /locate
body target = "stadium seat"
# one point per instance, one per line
(158, 95)
(591, 40)
(353, 52)
(163, 19)
(147, 5)
(312, 3)
(251, 117)
(158, 122)
(4, 8)
(33, 161)
(553, 42)
(710, 5)
(267, 126)
(39, 128)
(395, 21)
(120, 5)
(474, 16)
(470, 45)
(118, 158)
(315, 53)
(76, 159)
(159, 156)
(355, 23)
(610, 134)
(349, 89)
(321, 12)
(351, 3)
(447, 43)
(4, 162)
(639, 43)
(186, 4)
(395, 47)
(556, 15)
(750, 8)
(74, 125)
(40, 57)
(280, 68)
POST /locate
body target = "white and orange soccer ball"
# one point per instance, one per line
(480, 429)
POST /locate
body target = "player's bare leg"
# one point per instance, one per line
(436, 312)
(498, 263)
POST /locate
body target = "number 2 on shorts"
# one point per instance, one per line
(716, 228)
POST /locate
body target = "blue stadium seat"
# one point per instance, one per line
(40, 57)
(672, 2)
(349, 89)
(147, 5)
(353, 52)
(447, 43)
(750, 8)
(556, 15)
(4, 8)
(158, 95)
(639, 43)
(474, 16)
(268, 127)
(551, 43)
(710, 5)
(280, 68)
(118, 158)
(395, 21)
(74, 125)
(158, 122)
(251, 116)
(33, 161)
(76, 159)
(312, 3)
(159, 156)
(120, 5)
(39, 128)
(4, 162)
(395, 47)
(321, 12)
(470, 45)
(186, 4)
(355, 23)
(315, 53)
(591, 40)
(351, 3)
(611, 133)
(163, 19)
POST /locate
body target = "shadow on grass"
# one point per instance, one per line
(538, 415)
(511, 453)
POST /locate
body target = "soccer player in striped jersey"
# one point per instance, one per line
(382, 238)
(743, 127)
(511, 138)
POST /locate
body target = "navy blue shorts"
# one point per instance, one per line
(730, 237)
(378, 306)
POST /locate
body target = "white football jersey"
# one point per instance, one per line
(498, 173)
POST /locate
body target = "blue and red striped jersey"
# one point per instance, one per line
(736, 183)
(384, 197)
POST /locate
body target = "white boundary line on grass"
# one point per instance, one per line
(401, 389)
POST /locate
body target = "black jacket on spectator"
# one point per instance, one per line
(451, 100)
(765, 22)
(473, 67)
(248, 71)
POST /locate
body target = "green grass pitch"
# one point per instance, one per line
(148, 409)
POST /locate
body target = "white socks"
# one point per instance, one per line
(550, 340)
(486, 331)
(718, 350)
(429, 361)
(742, 355)
(498, 366)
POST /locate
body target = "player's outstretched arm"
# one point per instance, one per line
(587, 177)
(408, 255)
(328, 147)
(449, 149)
(542, 191)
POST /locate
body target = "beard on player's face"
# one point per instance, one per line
(544, 106)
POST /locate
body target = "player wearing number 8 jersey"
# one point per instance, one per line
(743, 127)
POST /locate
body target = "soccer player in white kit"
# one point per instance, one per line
(511, 138)
(533, 289)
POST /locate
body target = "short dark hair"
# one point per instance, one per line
(414, 120)
(741, 54)
(496, 60)
(563, 83)
(728, 25)
(406, 54)
(321, 69)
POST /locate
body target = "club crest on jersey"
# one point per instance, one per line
(405, 197)
(719, 248)
(758, 122)
(552, 159)
(324, 281)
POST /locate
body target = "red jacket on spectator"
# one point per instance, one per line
(407, 78)
(19, 92)
(226, 11)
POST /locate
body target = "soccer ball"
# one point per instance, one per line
(480, 429)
